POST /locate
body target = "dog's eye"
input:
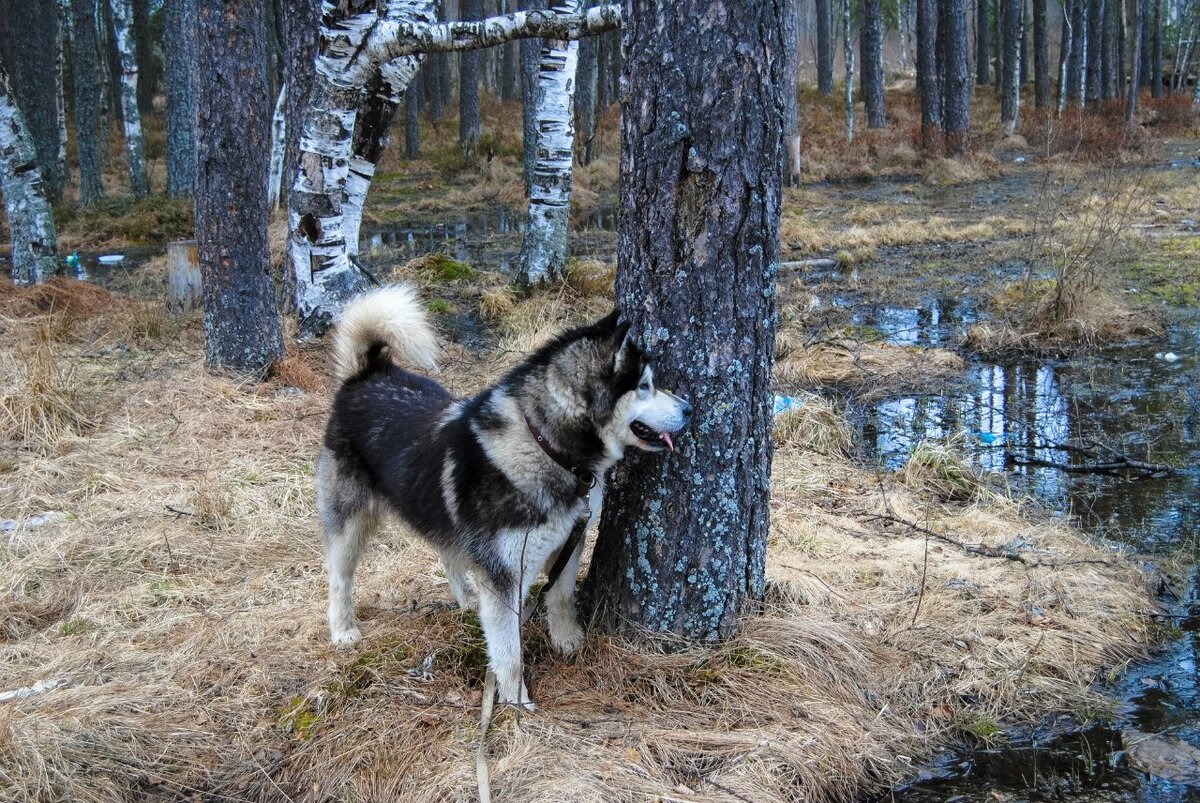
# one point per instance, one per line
(644, 386)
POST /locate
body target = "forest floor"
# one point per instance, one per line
(164, 617)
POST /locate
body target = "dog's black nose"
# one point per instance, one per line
(686, 409)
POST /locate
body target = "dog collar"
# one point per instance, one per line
(585, 480)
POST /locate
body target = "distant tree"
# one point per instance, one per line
(147, 62)
(1135, 64)
(1010, 97)
(29, 42)
(1108, 50)
(412, 120)
(1066, 54)
(1156, 51)
(1095, 48)
(585, 99)
(531, 50)
(683, 538)
(982, 57)
(179, 34)
(956, 73)
(241, 316)
(792, 164)
(848, 57)
(86, 80)
(26, 206)
(131, 120)
(824, 47)
(871, 52)
(510, 65)
(468, 86)
(929, 83)
(1041, 56)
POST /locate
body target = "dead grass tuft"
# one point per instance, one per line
(58, 296)
(47, 399)
(874, 369)
(812, 423)
(941, 470)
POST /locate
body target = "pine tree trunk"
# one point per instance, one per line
(30, 219)
(301, 22)
(544, 250)
(848, 57)
(928, 81)
(179, 35)
(135, 151)
(241, 317)
(1023, 61)
(143, 39)
(792, 165)
(683, 536)
(871, 53)
(1156, 51)
(1135, 63)
(1041, 56)
(982, 58)
(29, 42)
(1010, 98)
(84, 79)
(998, 44)
(585, 100)
(1095, 48)
(1146, 36)
(824, 47)
(530, 55)
(956, 80)
(1108, 53)
(468, 88)
(510, 65)
(412, 120)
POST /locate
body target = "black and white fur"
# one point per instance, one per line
(468, 475)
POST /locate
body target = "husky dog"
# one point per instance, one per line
(494, 483)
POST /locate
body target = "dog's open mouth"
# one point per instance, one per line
(651, 436)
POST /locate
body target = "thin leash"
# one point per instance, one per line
(485, 722)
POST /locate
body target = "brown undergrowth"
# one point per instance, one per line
(180, 607)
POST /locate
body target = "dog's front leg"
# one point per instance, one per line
(565, 633)
(500, 616)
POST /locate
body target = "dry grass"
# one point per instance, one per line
(803, 236)
(867, 368)
(182, 602)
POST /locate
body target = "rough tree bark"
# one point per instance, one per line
(468, 87)
(179, 51)
(928, 80)
(1010, 98)
(683, 538)
(143, 38)
(510, 62)
(956, 74)
(544, 249)
(88, 141)
(30, 219)
(412, 120)
(982, 57)
(585, 100)
(29, 40)
(824, 47)
(131, 119)
(1041, 56)
(1135, 64)
(241, 317)
(848, 54)
(871, 53)
(531, 50)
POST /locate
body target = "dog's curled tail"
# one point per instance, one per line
(389, 316)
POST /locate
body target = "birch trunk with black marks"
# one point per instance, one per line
(1066, 55)
(242, 330)
(824, 47)
(982, 57)
(131, 119)
(468, 87)
(871, 53)
(1010, 98)
(848, 53)
(544, 249)
(1041, 56)
(956, 74)
(179, 50)
(683, 536)
(278, 148)
(26, 205)
(928, 81)
(88, 142)
(63, 42)
(29, 42)
(1084, 43)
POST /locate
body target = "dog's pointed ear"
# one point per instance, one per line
(622, 344)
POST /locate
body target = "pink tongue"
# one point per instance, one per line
(667, 437)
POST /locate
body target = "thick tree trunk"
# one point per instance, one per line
(30, 219)
(468, 87)
(1095, 48)
(135, 150)
(88, 142)
(241, 317)
(871, 53)
(29, 42)
(683, 537)
(179, 34)
(982, 58)
(928, 81)
(848, 57)
(544, 250)
(1010, 99)
(530, 55)
(301, 22)
(824, 47)
(956, 79)
(143, 39)
(1041, 56)
(585, 99)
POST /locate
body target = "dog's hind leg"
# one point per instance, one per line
(348, 516)
(565, 633)
(461, 584)
(499, 614)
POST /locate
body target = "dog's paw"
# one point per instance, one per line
(565, 635)
(345, 637)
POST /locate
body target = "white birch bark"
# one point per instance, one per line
(544, 251)
(848, 49)
(30, 220)
(135, 152)
(353, 50)
(1064, 73)
(64, 37)
(278, 147)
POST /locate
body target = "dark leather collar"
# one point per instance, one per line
(585, 479)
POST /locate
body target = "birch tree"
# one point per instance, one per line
(848, 53)
(544, 250)
(30, 220)
(135, 151)
(682, 542)
(29, 44)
